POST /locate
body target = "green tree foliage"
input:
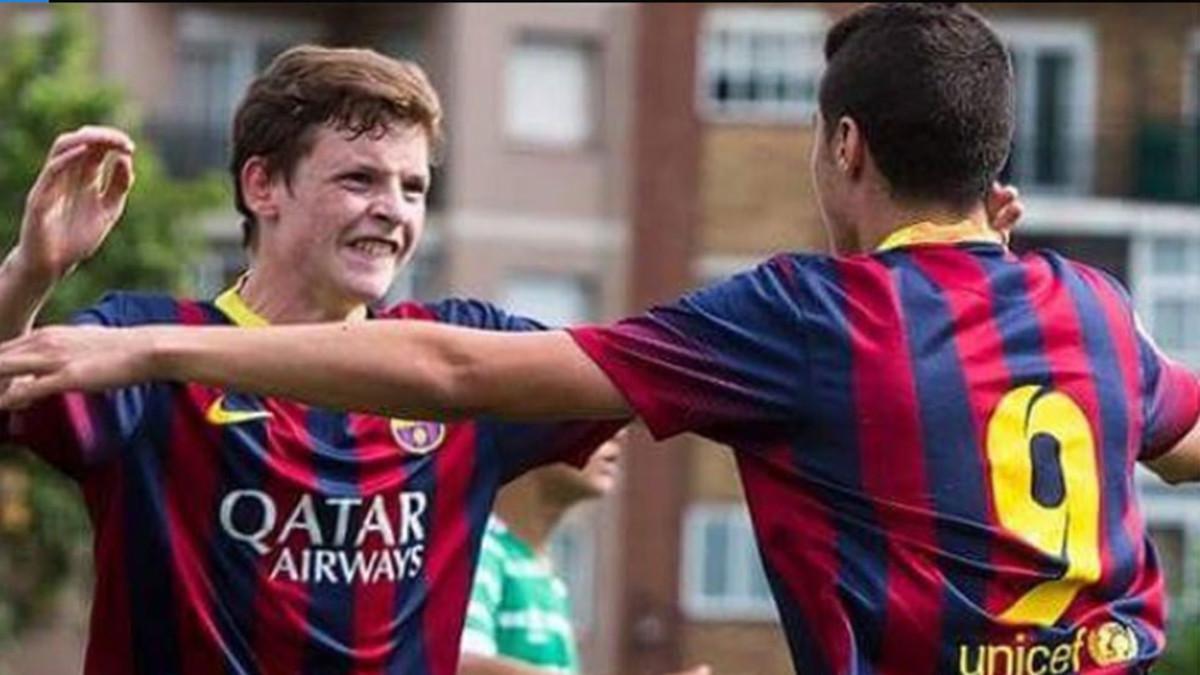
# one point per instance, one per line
(1183, 650)
(49, 84)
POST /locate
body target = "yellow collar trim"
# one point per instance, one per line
(967, 231)
(232, 305)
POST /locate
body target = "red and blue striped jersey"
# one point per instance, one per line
(251, 535)
(937, 445)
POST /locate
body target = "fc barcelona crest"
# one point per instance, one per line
(418, 438)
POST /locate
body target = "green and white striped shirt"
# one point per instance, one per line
(519, 607)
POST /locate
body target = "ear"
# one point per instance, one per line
(258, 189)
(850, 147)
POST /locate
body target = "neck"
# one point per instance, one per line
(276, 296)
(528, 514)
(880, 220)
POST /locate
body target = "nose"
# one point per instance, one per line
(388, 207)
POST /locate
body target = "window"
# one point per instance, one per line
(573, 554)
(761, 64)
(1055, 67)
(553, 299)
(550, 92)
(723, 576)
(1168, 292)
(218, 56)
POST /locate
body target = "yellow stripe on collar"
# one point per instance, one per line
(967, 231)
(233, 306)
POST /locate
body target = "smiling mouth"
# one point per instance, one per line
(375, 248)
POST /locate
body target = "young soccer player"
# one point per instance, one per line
(247, 534)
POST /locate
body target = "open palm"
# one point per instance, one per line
(77, 198)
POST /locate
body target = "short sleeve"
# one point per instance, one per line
(1171, 395)
(728, 361)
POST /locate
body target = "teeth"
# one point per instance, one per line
(374, 248)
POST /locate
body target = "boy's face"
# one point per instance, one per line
(352, 213)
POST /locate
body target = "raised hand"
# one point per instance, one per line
(77, 198)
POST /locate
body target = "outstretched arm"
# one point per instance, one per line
(716, 362)
(413, 369)
(419, 369)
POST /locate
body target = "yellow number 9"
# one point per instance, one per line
(1060, 517)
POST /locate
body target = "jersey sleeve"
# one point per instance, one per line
(479, 631)
(1171, 398)
(522, 446)
(728, 361)
(78, 431)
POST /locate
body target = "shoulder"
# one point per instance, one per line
(124, 308)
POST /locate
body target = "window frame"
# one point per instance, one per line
(1025, 39)
(743, 562)
(807, 24)
(1149, 287)
(592, 92)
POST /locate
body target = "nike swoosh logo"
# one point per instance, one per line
(218, 415)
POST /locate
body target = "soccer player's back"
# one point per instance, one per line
(937, 438)
(955, 492)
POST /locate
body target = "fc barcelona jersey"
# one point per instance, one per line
(247, 535)
(937, 444)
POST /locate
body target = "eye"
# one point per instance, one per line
(356, 180)
(416, 187)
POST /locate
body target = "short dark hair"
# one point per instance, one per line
(931, 87)
(358, 91)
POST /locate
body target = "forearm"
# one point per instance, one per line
(412, 369)
(329, 365)
(23, 291)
